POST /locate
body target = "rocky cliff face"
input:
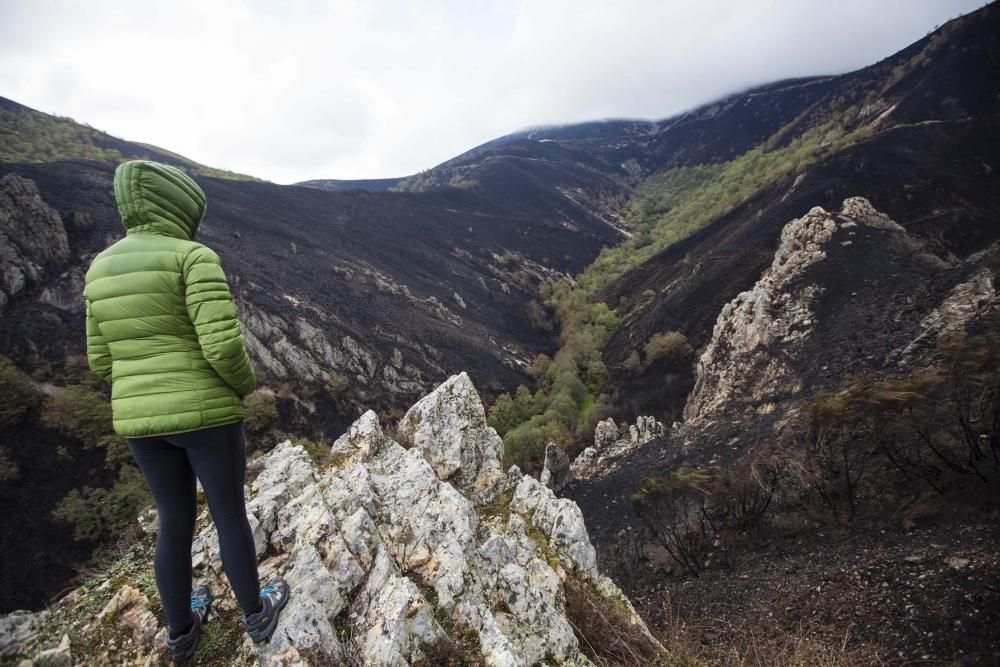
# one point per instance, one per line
(753, 360)
(395, 554)
(33, 241)
(848, 291)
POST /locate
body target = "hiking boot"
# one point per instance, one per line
(183, 647)
(260, 625)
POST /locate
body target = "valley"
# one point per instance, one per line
(789, 295)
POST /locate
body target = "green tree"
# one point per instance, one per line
(79, 412)
(18, 394)
(261, 412)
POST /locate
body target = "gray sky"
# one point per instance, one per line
(294, 90)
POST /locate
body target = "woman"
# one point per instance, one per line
(162, 330)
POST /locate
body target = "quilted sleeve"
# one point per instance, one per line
(213, 313)
(98, 355)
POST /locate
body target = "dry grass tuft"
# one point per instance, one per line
(605, 630)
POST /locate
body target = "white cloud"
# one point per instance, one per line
(356, 89)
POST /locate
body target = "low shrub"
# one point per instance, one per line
(18, 393)
(80, 412)
(261, 412)
(670, 347)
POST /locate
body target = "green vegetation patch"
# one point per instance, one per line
(29, 136)
(18, 394)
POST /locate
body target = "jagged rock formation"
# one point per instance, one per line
(848, 292)
(449, 427)
(555, 469)
(33, 240)
(609, 447)
(17, 629)
(605, 433)
(292, 347)
(393, 551)
(742, 366)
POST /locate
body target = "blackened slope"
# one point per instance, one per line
(40, 554)
(941, 193)
(922, 163)
(339, 185)
(718, 131)
(326, 251)
(873, 293)
(594, 167)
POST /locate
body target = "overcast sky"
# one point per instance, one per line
(361, 89)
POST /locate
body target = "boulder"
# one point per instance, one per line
(555, 470)
(60, 656)
(17, 629)
(605, 433)
(449, 427)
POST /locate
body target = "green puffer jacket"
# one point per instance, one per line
(161, 322)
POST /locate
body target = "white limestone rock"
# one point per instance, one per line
(449, 427)
(739, 365)
(559, 519)
(966, 301)
(60, 656)
(644, 429)
(605, 433)
(611, 446)
(385, 558)
(18, 628)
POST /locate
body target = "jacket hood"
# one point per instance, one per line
(159, 199)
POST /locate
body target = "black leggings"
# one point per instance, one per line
(217, 455)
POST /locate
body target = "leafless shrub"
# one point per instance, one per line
(673, 507)
(833, 461)
(697, 516)
(740, 497)
(932, 426)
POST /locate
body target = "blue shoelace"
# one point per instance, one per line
(199, 602)
(267, 589)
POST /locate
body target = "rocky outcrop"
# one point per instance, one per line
(449, 427)
(33, 242)
(605, 433)
(394, 552)
(64, 292)
(18, 629)
(555, 469)
(610, 446)
(746, 361)
(293, 348)
(967, 301)
(644, 429)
